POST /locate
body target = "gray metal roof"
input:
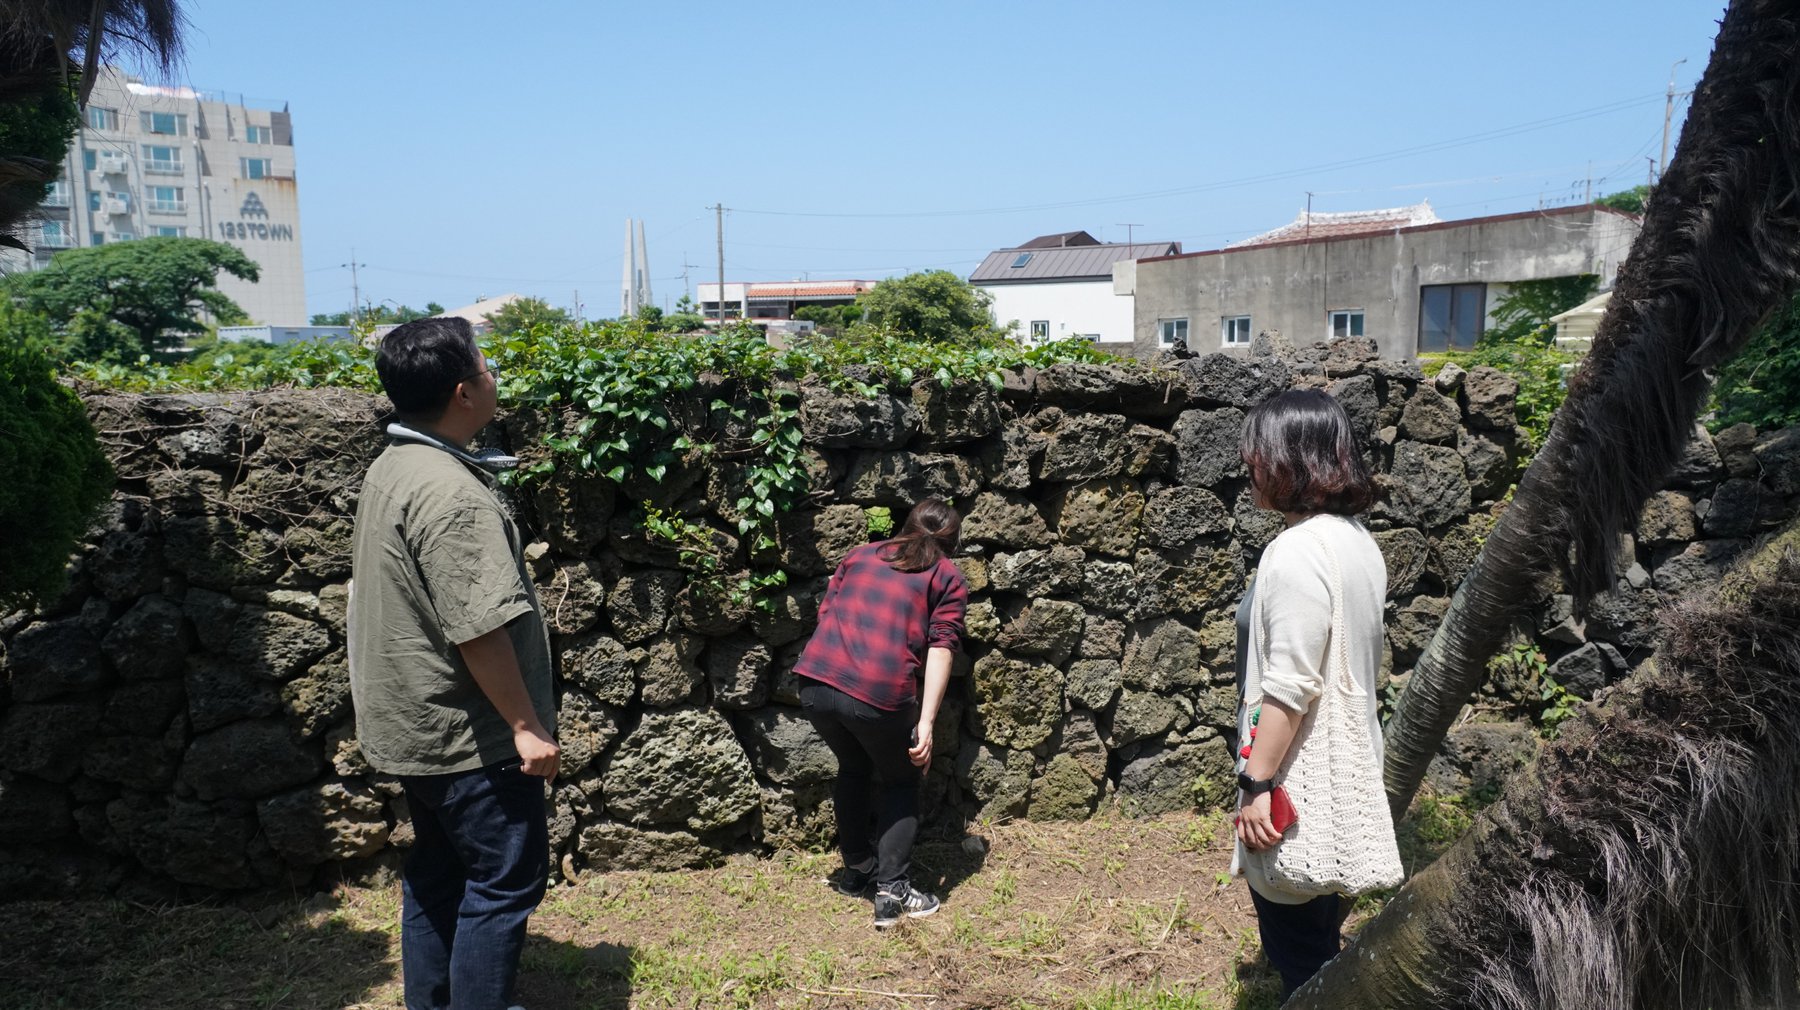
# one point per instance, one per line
(1076, 263)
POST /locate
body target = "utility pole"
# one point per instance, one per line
(1650, 172)
(1128, 232)
(1308, 235)
(576, 295)
(687, 290)
(719, 221)
(1668, 114)
(355, 288)
(1588, 196)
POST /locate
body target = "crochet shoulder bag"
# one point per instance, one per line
(1343, 842)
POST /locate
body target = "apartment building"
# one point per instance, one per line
(152, 160)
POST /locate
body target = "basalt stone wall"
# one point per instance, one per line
(179, 722)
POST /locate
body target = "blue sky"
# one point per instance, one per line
(468, 149)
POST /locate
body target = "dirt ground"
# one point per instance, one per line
(1108, 913)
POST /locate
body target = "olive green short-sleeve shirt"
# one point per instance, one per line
(438, 562)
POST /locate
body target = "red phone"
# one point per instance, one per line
(1282, 814)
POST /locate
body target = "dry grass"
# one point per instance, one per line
(1107, 914)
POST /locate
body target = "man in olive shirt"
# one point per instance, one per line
(450, 673)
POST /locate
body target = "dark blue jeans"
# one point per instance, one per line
(876, 783)
(1297, 939)
(476, 871)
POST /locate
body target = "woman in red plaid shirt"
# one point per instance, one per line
(892, 613)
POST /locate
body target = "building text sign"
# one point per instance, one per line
(261, 230)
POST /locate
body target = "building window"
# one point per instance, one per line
(1234, 331)
(56, 235)
(1092, 338)
(96, 239)
(161, 160)
(167, 200)
(94, 200)
(102, 119)
(258, 135)
(256, 168)
(1040, 330)
(173, 124)
(58, 195)
(1346, 323)
(169, 231)
(1173, 330)
(1451, 316)
(89, 160)
(1021, 260)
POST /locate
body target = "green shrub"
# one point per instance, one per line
(55, 473)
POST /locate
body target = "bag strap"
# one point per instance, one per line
(1340, 646)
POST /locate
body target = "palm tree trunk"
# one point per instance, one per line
(1648, 860)
(1720, 248)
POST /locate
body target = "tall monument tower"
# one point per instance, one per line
(634, 288)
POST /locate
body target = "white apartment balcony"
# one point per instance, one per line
(162, 168)
(59, 197)
(112, 206)
(166, 206)
(56, 240)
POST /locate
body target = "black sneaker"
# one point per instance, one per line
(896, 900)
(852, 882)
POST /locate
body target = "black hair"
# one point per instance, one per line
(930, 534)
(1302, 455)
(421, 362)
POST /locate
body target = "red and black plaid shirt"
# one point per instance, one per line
(875, 624)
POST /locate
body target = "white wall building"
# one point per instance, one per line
(1056, 287)
(161, 161)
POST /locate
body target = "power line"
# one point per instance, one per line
(1474, 138)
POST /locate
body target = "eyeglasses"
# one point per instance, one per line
(487, 365)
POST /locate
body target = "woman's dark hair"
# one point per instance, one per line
(930, 535)
(1302, 455)
(421, 362)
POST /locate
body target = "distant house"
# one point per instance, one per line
(282, 334)
(776, 299)
(1059, 286)
(1412, 282)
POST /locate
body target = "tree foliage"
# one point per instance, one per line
(1761, 386)
(1631, 201)
(56, 475)
(525, 314)
(934, 305)
(377, 315)
(124, 299)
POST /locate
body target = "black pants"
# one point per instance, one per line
(1297, 939)
(876, 796)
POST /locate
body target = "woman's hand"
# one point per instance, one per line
(1254, 827)
(920, 752)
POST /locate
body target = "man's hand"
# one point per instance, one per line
(538, 753)
(920, 752)
(1254, 827)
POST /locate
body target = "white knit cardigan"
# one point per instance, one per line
(1290, 625)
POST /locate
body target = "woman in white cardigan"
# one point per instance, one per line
(1304, 463)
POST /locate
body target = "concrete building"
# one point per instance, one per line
(151, 160)
(283, 334)
(775, 299)
(1412, 287)
(1055, 287)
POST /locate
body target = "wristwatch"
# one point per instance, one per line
(1254, 787)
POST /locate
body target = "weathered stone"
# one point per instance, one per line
(667, 674)
(1666, 516)
(640, 603)
(1684, 568)
(1589, 668)
(1626, 618)
(1087, 446)
(1362, 401)
(680, 766)
(220, 691)
(32, 811)
(1099, 515)
(574, 510)
(335, 820)
(785, 747)
(1740, 508)
(798, 818)
(1404, 549)
(1037, 572)
(1480, 756)
(904, 479)
(1112, 388)
(1206, 446)
(953, 414)
(1454, 550)
(275, 645)
(1430, 417)
(1007, 522)
(319, 699)
(143, 708)
(1557, 621)
(1109, 587)
(194, 843)
(127, 564)
(575, 596)
(218, 553)
(247, 760)
(738, 668)
(847, 421)
(1221, 380)
(1736, 448)
(714, 605)
(1163, 655)
(1411, 627)
(1699, 463)
(1426, 486)
(981, 622)
(1189, 582)
(1489, 397)
(1065, 792)
(602, 666)
(1093, 682)
(974, 572)
(1017, 703)
(788, 614)
(1449, 378)
(1257, 527)
(1217, 707)
(1102, 638)
(1011, 458)
(1176, 518)
(812, 543)
(132, 761)
(1489, 463)
(607, 846)
(584, 729)
(1140, 715)
(1047, 628)
(1162, 780)
(54, 658)
(1778, 459)
(46, 740)
(1346, 355)
(998, 778)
